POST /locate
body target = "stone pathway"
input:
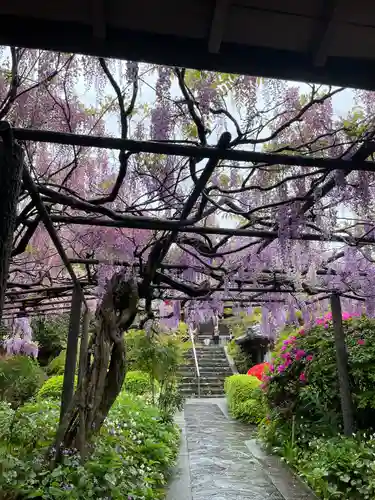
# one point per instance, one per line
(220, 460)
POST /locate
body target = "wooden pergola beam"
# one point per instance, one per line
(218, 25)
(325, 34)
(98, 19)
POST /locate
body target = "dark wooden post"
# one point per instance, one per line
(81, 435)
(11, 164)
(71, 351)
(342, 366)
(84, 344)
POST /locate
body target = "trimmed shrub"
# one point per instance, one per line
(52, 388)
(252, 410)
(138, 382)
(240, 387)
(245, 400)
(57, 365)
(20, 379)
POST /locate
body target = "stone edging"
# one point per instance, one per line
(281, 475)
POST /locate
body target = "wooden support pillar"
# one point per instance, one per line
(84, 345)
(342, 366)
(11, 164)
(71, 351)
(81, 435)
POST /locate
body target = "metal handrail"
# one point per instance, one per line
(198, 375)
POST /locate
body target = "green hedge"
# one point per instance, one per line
(245, 399)
(57, 365)
(52, 388)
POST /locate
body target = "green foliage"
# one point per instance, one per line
(138, 382)
(241, 359)
(339, 467)
(133, 354)
(160, 357)
(52, 388)
(245, 399)
(34, 425)
(238, 325)
(355, 125)
(57, 365)
(50, 334)
(131, 458)
(240, 387)
(304, 421)
(251, 411)
(6, 419)
(20, 379)
(316, 398)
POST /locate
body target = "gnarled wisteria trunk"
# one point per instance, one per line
(11, 164)
(104, 368)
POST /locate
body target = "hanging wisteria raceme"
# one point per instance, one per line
(183, 106)
(20, 340)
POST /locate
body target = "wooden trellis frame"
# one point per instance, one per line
(184, 224)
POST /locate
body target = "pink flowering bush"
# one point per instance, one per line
(302, 381)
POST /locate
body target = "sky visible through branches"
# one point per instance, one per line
(298, 209)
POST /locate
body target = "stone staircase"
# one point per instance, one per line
(213, 367)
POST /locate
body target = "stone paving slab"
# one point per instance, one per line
(221, 465)
(220, 460)
(180, 486)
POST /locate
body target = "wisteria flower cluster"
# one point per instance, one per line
(21, 342)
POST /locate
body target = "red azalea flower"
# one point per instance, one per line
(258, 371)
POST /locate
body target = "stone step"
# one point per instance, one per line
(203, 380)
(207, 366)
(211, 367)
(204, 361)
(206, 373)
(215, 392)
(207, 360)
(206, 396)
(193, 380)
(208, 354)
(205, 354)
(213, 355)
(209, 348)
